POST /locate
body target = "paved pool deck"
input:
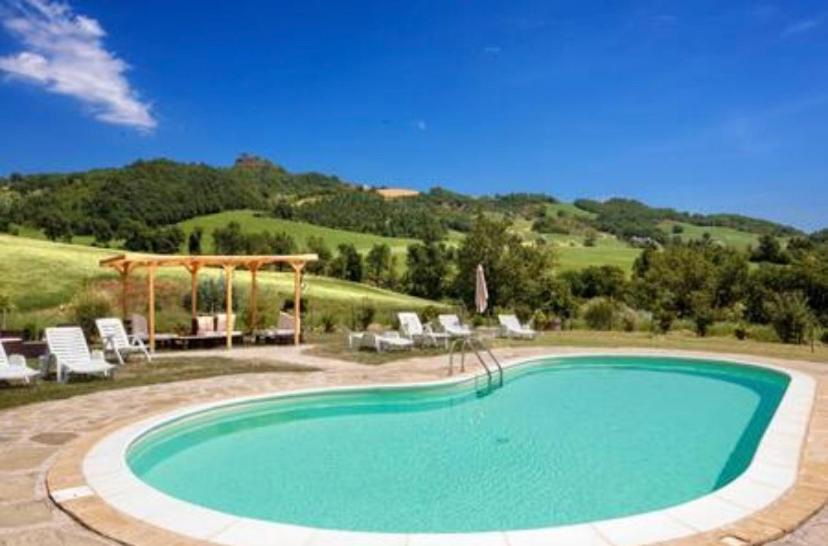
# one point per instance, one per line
(46, 442)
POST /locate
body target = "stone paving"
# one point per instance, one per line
(34, 437)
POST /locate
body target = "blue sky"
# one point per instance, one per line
(703, 106)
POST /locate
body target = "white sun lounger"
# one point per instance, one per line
(115, 340)
(68, 348)
(413, 329)
(13, 368)
(384, 341)
(511, 327)
(452, 326)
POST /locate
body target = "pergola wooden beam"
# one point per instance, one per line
(125, 264)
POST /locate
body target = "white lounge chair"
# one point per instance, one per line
(115, 340)
(384, 341)
(413, 329)
(452, 326)
(511, 327)
(68, 348)
(354, 338)
(13, 368)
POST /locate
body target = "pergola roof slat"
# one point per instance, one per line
(146, 260)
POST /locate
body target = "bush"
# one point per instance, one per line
(365, 316)
(599, 313)
(429, 314)
(663, 319)
(628, 319)
(790, 316)
(328, 322)
(540, 321)
(87, 306)
(824, 337)
(762, 332)
(32, 329)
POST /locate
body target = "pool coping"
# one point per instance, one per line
(773, 471)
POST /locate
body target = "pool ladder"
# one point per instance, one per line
(476, 346)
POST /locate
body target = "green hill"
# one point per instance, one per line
(42, 277)
(728, 236)
(252, 221)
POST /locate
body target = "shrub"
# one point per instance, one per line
(32, 329)
(429, 313)
(328, 322)
(88, 305)
(790, 316)
(762, 332)
(365, 316)
(663, 319)
(703, 315)
(523, 312)
(824, 337)
(540, 321)
(628, 319)
(599, 313)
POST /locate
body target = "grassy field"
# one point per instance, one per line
(729, 236)
(252, 222)
(569, 209)
(40, 275)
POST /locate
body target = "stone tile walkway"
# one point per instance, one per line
(32, 436)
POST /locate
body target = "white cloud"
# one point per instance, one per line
(64, 53)
(800, 26)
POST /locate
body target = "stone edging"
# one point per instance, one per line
(794, 504)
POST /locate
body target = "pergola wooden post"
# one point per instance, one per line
(228, 296)
(126, 264)
(124, 273)
(297, 300)
(151, 305)
(254, 296)
(193, 269)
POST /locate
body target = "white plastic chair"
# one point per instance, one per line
(115, 339)
(511, 327)
(385, 341)
(14, 368)
(68, 348)
(452, 326)
(413, 329)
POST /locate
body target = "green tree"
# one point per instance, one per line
(428, 268)
(194, 241)
(769, 250)
(379, 266)
(594, 281)
(790, 316)
(229, 240)
(347, 264)
(316, 245)
(101, 230)
(56, 227)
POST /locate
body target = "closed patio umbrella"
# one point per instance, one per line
(481, 293)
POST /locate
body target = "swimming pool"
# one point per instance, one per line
(566, 441)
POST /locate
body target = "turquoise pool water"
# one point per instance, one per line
(566, 440)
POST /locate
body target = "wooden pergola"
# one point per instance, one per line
(125, 265)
